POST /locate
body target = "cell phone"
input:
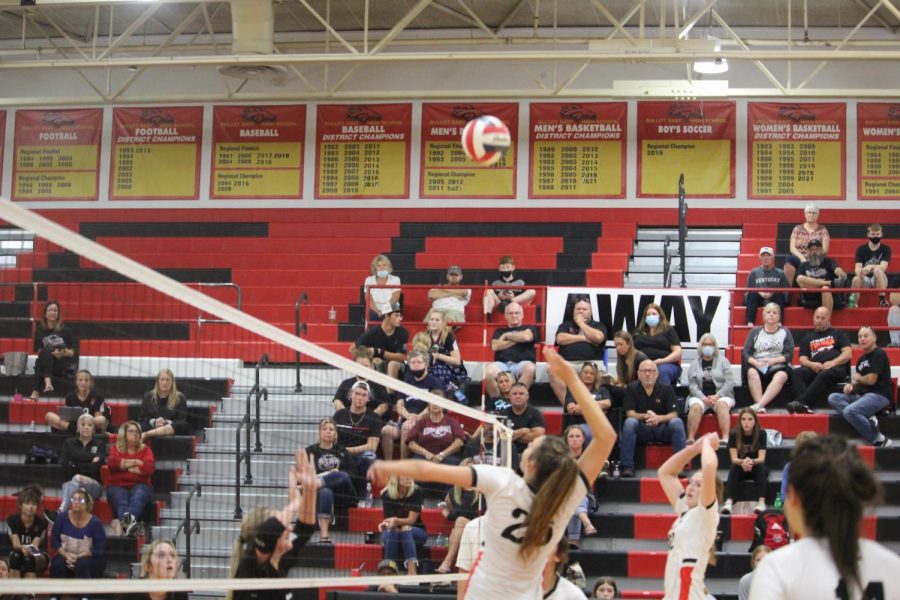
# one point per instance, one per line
(35, 551)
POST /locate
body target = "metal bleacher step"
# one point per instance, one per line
(693, 234)
(701, 280)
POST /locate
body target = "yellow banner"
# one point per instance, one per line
(589, 168)
(465, 180)
(706, 165)
(56, 157)
(275, 155)
(364, 168)
(800, 169)
(53, 186)
(148, 170)
(254, 182)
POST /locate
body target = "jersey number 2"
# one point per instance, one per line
(509, 532)
(873, 591)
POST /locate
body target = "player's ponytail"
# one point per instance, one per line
(555, 474)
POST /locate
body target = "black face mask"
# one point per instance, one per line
(507, 275)
(417, 372)
(875, 240)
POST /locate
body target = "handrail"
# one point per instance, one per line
(236, 287)
(298, 328)
(667, 263)
(247, 423)
(682, 228)
(188, 527)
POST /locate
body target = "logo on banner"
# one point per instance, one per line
(795, 113)
(57, 119)
(258, 115)
(362, 113)
(685, 110)
(576, 112)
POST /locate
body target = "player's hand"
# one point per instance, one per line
(556, 366)
(377, 474)
(711, 439)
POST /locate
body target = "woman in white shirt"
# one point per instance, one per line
(377, 298)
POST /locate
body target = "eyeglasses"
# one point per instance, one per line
(78, 500)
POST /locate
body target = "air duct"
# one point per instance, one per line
(253, 32)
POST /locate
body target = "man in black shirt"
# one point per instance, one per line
(650, 415)
(580, 340)
(378, 396)
(869, 392)
(819, 271)
(358, 431)
(526, 422)
(872, 260)
(387, 341)
(514, 351)
(824, 362)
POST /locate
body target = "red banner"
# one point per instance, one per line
(797, 150)
(878, 152)
(577, 149)
(257, 152)
(446, 171)
(2, 143)
(691, 138)
(57, 154)
(156, 153)
(362, 151)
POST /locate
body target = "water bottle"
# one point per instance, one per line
(851, 301)
(31, 427)
(367, 501)
(332, 315)
(441, 540)
(779, 503)
(615, 472)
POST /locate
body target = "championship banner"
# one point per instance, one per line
(362, 151)
(691, 313)
(446, 171)
(257, 152)
(2, 143)
(57, 154)
(577, 150)
(694, 138)
(156, 153)
(796, 151)
(878, 155)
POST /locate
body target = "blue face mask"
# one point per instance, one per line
(651, 320)
(381, 274)
(707, 350)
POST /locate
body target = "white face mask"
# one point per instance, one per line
(381, 273)
(652, 320)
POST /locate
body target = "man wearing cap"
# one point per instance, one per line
(386, 568)
(819, 271)
(449, 299)
(359, 430)
(767, 275)
(379, 401)
(387, 341)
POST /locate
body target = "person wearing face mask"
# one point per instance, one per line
(660, 342)
(819, 271)
(377, 298)
(872, 260)
(711, 383)
(500, 297)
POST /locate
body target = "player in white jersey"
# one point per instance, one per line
(828, 488)
(693, 534)
(526, 516)
(556, 585)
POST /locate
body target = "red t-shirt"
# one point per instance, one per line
(435, 437)
(120, 478)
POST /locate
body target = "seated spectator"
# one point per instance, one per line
(408, 408)
(872, 260)
(514, 350)
(129, 488)
(386, 341)
(79, 540)
(86, 399)
(820, 272)
(767, 275)
(650, 416)
(164, 409)
(711, 385)
(868, 392)
(605, 588)
(402, 527)
(747, 450)
(580, 340)
(766, 358)
(460, 507)
(801, 235)
(27, 533)
(501, 297)
(436, 437)
(386, 568)
(747, 580)
(159, 560)
(57, 351)
(481, 448)
(358, 430)
(526, 422)
(378, 299)
(445, 361)
(554, 584)
(334, 467)
(80, 460)
(659, 341)
(450, 299)
(591, 376)
(627, 360)
(503, 383)
(802, 438)
(825, 356)
(379, 399)
(581, 520)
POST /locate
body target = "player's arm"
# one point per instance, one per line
(419, 470)
(668, 472)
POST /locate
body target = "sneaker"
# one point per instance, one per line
(723, 442)
(129, 523)
(726, 508)
(883, 302)
(884, 442)
(799, 408)
(627, 472)
(760, 410)
(760, 507)
(874, 421)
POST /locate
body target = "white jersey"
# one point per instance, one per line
(470, 544)
(692, 535)
(805, 570)
(500, 572)
(564, 590)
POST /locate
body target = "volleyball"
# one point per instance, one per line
(485, 139)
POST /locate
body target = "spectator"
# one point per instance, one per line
(379, 399)
(86, 399)
(869, 391)
(605, 588)
(872, 260)
(767, 275)
(503, 382)
(766, 358)
(334, 467)
(437, 437)
(555, 585)
(387, 342)
(801, 236)
(820, 272)
(27, 533)
(386, 568)
(481, 447)
(164, 409)
(445, 361)
(129, 489)
(650, 415)
(744, 584)
(402, 527)
(580, 340)
(591, 376)
(408, 407)
(581, 520)
(802, 438)
(80, 460)
(747, 451)
(893, 318)
(78, 539)
(460, 507)
(825, 356)
(627, 360)
(380, 299)
(358, 430)
(57, 350)
(501, 297)
(526, 422)
(514, 351)
(449, 299)
(711, 385)
(659, 341)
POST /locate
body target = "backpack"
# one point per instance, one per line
(770, 528)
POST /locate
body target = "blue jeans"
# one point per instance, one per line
(857, 410)
(86, 567)
(634, 431)
(573, 529)
(669, 373)
(94, 488)
(335, 483)
(364, 460)
(396, 541)
(131, 500)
